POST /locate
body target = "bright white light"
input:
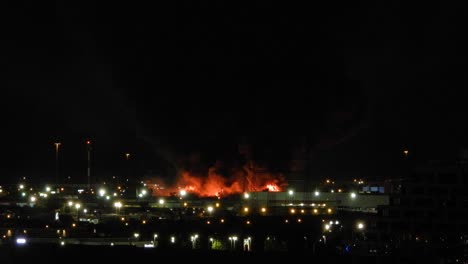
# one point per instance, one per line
(118, 204)
(33, 199)
(316, 193)
(360, 226)
(353, 195)
(136, 235)
(183, 193)
(102, 192)
(21, 241)
(70, 203)
(327, 227)
(107, 197)
(291, 192)
(77, 206)
(246, 195)
(23, 194)
(331, 222)
(149, 245)
(337, 222)
(172, 240)
(161, 201)
(47, 189)
(85, 210)
(21, 186)
(143, 192)
(62, 243)
(210, 209)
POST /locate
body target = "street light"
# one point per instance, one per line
(127, 164)
(233, 242)
(118, 205)
(57, 145)
(88, 148)
(193, 239)
(360, 226)
(77, 206)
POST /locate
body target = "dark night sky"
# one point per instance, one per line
(362, 81)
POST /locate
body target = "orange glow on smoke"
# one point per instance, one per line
(213, 184)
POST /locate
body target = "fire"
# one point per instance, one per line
(213, 184)
(273, 187)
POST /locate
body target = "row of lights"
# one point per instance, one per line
(316, 193)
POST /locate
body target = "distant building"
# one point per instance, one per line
(429, 206)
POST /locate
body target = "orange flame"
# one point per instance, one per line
(214, 184)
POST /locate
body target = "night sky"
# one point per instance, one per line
(361, 81)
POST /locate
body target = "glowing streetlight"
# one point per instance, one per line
(77, 206)
(57, 146)
(360, 226)
(210, 209)
(353, 195)
(233, 240)
(127, 159)
(193, 239)
(118, 205)
(88, 148)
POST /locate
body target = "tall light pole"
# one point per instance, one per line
(88, 147)
(117, 206)
(57, 145)
(127, 158)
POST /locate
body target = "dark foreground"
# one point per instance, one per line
(94, 254)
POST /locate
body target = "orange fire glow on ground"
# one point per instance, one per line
(217, 185)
